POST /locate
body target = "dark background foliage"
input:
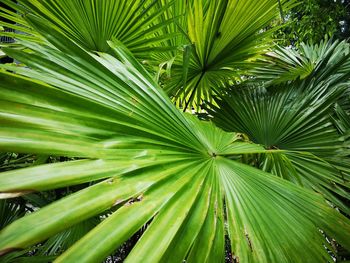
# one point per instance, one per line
(312, 20)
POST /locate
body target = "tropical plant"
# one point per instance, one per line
(308, 63)
(217, 39)
(298, 121)
(307, 116)
(145, 162)
(226, 37)
(130, 22)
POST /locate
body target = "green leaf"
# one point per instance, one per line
(92, 23)
(158, 165)
(295, 125)
(324, 61)
(227, 36)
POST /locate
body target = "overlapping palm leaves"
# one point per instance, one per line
(148, 160)
(304, 114)
(209, 42)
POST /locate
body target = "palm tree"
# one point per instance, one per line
(145, 161)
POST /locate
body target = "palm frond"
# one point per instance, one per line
(319, 62)
(163, 167)
(92, 23)
(226, 36)
(298, 121)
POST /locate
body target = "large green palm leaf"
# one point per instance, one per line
(153, 163)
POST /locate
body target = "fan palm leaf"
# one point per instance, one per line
(150, 161)
(318, 62)
(297, 120)
(92, 23)
(226, 36)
